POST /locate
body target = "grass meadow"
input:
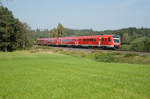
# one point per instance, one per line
(26, 75)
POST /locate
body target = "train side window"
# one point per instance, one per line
(109, 39)
(92, 40)
(105, 39)
(86, 40)
(102, 39)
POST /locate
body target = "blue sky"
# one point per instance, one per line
(82, 14)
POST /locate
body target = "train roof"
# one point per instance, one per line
(94, 36)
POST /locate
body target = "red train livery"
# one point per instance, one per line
(104, 41)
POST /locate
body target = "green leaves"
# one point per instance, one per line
(141, 44)
(13, 33)
(60, 30)
(57, 32)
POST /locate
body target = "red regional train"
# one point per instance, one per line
(103, 41)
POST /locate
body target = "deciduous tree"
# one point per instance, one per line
(54, 33)
(60, 30)
(13, 33)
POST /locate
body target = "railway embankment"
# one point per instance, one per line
(98, 55)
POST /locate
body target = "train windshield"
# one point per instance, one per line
(116, 40)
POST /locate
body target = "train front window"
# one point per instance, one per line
(116, 40)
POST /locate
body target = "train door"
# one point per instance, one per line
(76, 42)
(59, 41)
(99, 42)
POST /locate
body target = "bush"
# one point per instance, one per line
(116, 53)
(138, 44)
(130, 55)
(141, 44)
(105, 57)
(144, 56)
(125, 47)
(147, 44)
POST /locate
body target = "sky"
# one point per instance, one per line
(82, 14)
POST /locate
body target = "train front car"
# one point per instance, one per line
(109, 41)
(116, 41)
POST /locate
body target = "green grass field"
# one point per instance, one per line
(25, 75)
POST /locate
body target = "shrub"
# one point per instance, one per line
(144, 56)
(104, 57)
(130, 55)
(116, 53)
(125, 47)
(147, 44)
(141, 44)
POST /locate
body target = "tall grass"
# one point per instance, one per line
(104, 56)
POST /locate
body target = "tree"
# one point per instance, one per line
(125, 38)
(23, 35)
(13, 33)
(54, 33)
(38, 30)
(147, 44)
(6, 31)
(60, 30)
(57, 32)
